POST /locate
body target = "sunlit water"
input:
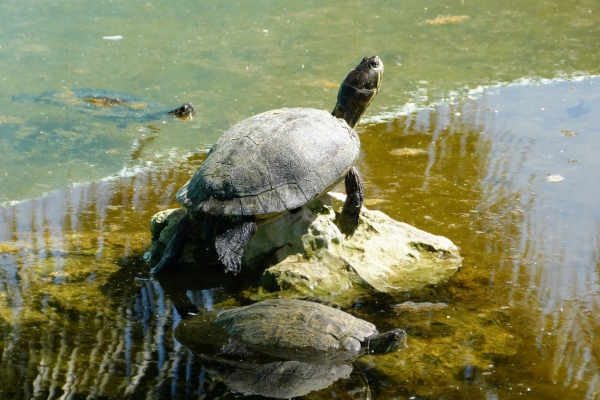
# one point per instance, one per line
(485, 132)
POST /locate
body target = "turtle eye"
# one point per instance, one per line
(374, 64)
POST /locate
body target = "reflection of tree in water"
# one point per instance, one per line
(445, 192)
(78, 313)
(460, 188)
(526, 244)
(74, 319)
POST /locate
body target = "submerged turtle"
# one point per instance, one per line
(306, 331)
(107, 104)
(274, 163)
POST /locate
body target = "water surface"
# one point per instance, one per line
(484, 132)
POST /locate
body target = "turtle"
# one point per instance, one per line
(306, 331)
(123, 107)
(274, 163)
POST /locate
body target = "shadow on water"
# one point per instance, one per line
(506, 175)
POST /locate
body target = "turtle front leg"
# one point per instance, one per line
(348, 221)
(231, 245)
(175, 247)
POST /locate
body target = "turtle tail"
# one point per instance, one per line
(232, 243)
(348, 220)
(175, 247)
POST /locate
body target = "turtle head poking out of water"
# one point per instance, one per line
(274, 163)
(184, 113)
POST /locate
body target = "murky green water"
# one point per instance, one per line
(506, 172)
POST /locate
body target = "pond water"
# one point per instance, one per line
(485, 132)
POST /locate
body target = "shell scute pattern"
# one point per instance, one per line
(296, 326)
(273, 162)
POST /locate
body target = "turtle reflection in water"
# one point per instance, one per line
(285, 379)
(274, 163)
(316, 342)
(123, 107)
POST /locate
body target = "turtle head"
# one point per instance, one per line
(386, 342)
(358, 90)
(185, 112)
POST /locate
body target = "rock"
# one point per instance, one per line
(305, 254)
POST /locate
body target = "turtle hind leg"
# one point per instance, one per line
(348, 220)
(175, 247)
(232, 243)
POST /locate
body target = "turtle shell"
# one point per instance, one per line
(297, 330)
(271, 163)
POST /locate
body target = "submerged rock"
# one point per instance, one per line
(411, 306)
(306, 254)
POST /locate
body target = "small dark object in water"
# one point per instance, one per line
(185, 112)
